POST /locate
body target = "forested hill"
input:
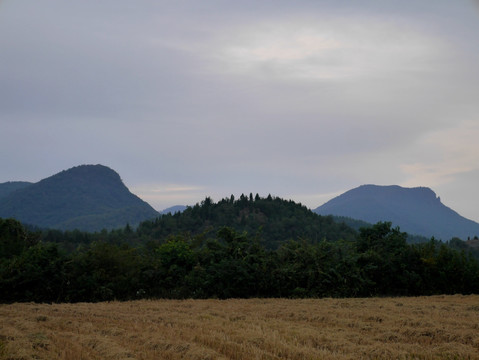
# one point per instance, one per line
(271, 219)
(227, 264)
(415, 210)
(87, 197)
(11, 186)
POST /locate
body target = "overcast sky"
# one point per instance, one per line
(299, 99)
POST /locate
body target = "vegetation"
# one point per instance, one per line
(11, 186)
(271, 219)
(87, 197)
(358, 224)
(439, 327)
(190, 255)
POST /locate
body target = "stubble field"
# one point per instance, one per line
(438, 327)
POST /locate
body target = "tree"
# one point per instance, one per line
(381, 251)
(14, 238)
(37, 274)
(232, 265)
(104, 272)
(175, 260)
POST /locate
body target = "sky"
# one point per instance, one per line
(303, 100)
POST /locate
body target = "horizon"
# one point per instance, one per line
(303, 100)
(160, 209)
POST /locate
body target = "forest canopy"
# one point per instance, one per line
(249, 247)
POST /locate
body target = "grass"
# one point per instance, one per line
(438, 327)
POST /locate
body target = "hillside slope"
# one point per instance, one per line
(9, 187)
(87, 197)
(415, 210)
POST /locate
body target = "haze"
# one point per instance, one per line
(186, 99)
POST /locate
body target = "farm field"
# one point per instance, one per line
(437, 327)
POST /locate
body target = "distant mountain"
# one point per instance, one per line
(415, 210)
(11, 186)
(358, 224)
(352, 223)
(87, 197)
(173, 209)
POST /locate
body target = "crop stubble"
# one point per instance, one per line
(437, 327)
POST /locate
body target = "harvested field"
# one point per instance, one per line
(438, 327)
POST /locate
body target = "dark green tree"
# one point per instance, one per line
(381, 251)
(37, 274)
(14, 238)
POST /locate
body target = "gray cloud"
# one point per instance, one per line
(299, 100)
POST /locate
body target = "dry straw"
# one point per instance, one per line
(438, 327)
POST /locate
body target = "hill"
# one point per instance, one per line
(415, 210)
(87, 197)
(11, 186)
(272, 219)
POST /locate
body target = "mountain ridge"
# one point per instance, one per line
(415, 210)
(11, 186)
(173, 209)
(85, 197)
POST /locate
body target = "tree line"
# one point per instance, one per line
(118, 265)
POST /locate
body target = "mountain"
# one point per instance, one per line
(11, 186)
(87, 197)
(415, 210)
(173, 209)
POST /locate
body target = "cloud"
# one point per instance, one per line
(162, 196)
(452, 153)
(270, 97)
(328, 48)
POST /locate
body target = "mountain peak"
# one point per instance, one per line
(88, 171)
(11, 186)
(417, 210)
(392, 191)
(87, 197)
